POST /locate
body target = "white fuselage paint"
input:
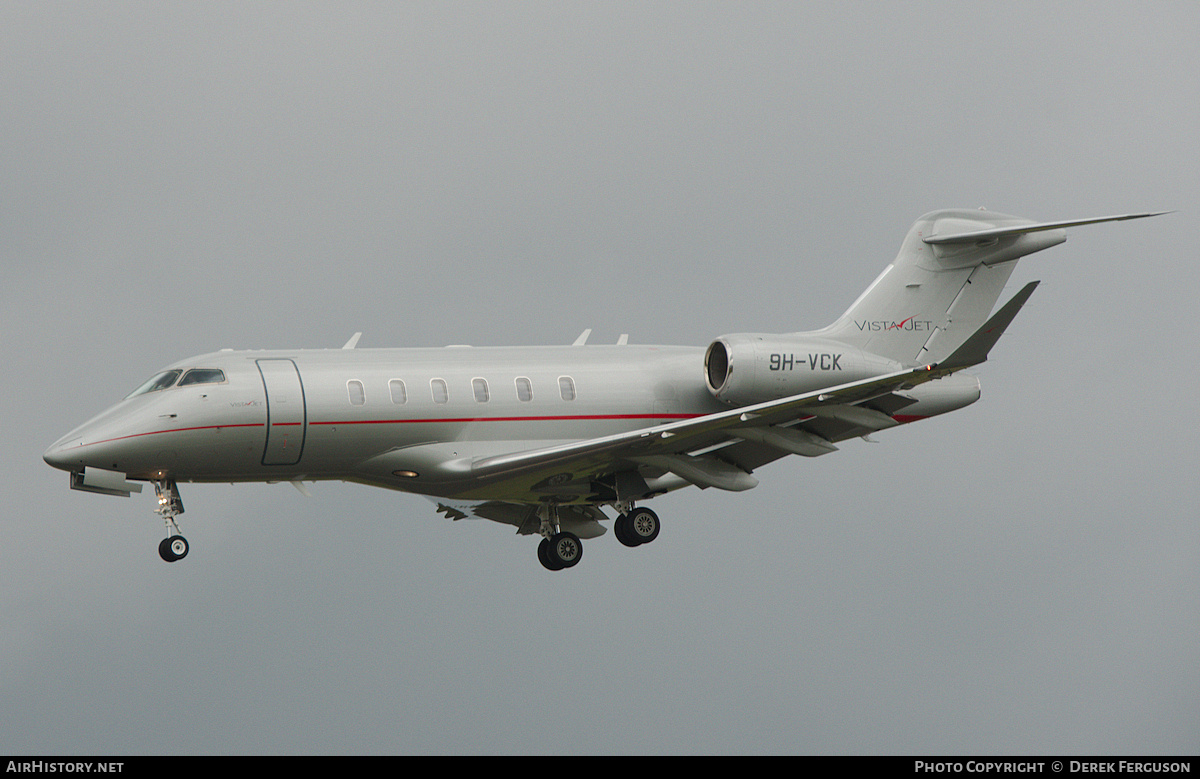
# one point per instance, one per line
(268, 421)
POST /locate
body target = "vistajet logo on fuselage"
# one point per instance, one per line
(909, 324)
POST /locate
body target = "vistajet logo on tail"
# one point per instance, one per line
(910, 324)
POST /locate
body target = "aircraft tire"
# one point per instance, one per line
(624, 532)
(565, 550)
(643, 525)
(544, 556)
(173, 548)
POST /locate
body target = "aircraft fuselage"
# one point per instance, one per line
(321, 413)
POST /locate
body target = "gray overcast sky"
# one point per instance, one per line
(1019, 577)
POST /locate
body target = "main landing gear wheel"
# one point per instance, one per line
(173, 548)
(562, 550)
(558, 548)
(639, 526)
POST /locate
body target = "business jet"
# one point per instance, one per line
(546, 438)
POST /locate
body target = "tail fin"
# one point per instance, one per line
(950, 271)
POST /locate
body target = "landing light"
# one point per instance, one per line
(406, 474)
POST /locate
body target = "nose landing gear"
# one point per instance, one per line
(170, 505)
(173, 548)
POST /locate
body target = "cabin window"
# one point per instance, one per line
(358, 395)
(399, 394)
(440, 393)
(156, 382)
(524, 389)
(202, 376)
(566, 387)
(480, 387)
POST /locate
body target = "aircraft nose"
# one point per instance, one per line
(59, 455)
(95, 443)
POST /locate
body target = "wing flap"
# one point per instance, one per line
(787, 439)
(702, 471)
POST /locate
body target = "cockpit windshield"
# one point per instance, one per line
(167, 379)
(202, 376)
(157, 382)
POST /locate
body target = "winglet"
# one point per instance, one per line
(975, 349)
(353, 342)
(582, 339)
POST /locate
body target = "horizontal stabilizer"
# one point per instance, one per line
(975, 349)
(1003, 232)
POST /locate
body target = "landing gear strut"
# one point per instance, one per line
(558, 549)
(170, 505)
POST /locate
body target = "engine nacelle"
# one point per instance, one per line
(748, 368)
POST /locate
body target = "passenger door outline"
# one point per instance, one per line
(287, 415)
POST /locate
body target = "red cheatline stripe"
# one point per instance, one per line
(171, 430)
(901, 418)
(405, 421)
(582, 417)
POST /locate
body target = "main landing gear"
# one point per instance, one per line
(636, 527)
(170, 505)
(560, 549)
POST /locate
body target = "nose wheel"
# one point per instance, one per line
(170, 505)
(173, 548)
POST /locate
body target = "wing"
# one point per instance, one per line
(716, 450)
(703, 451)
(654, 459)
